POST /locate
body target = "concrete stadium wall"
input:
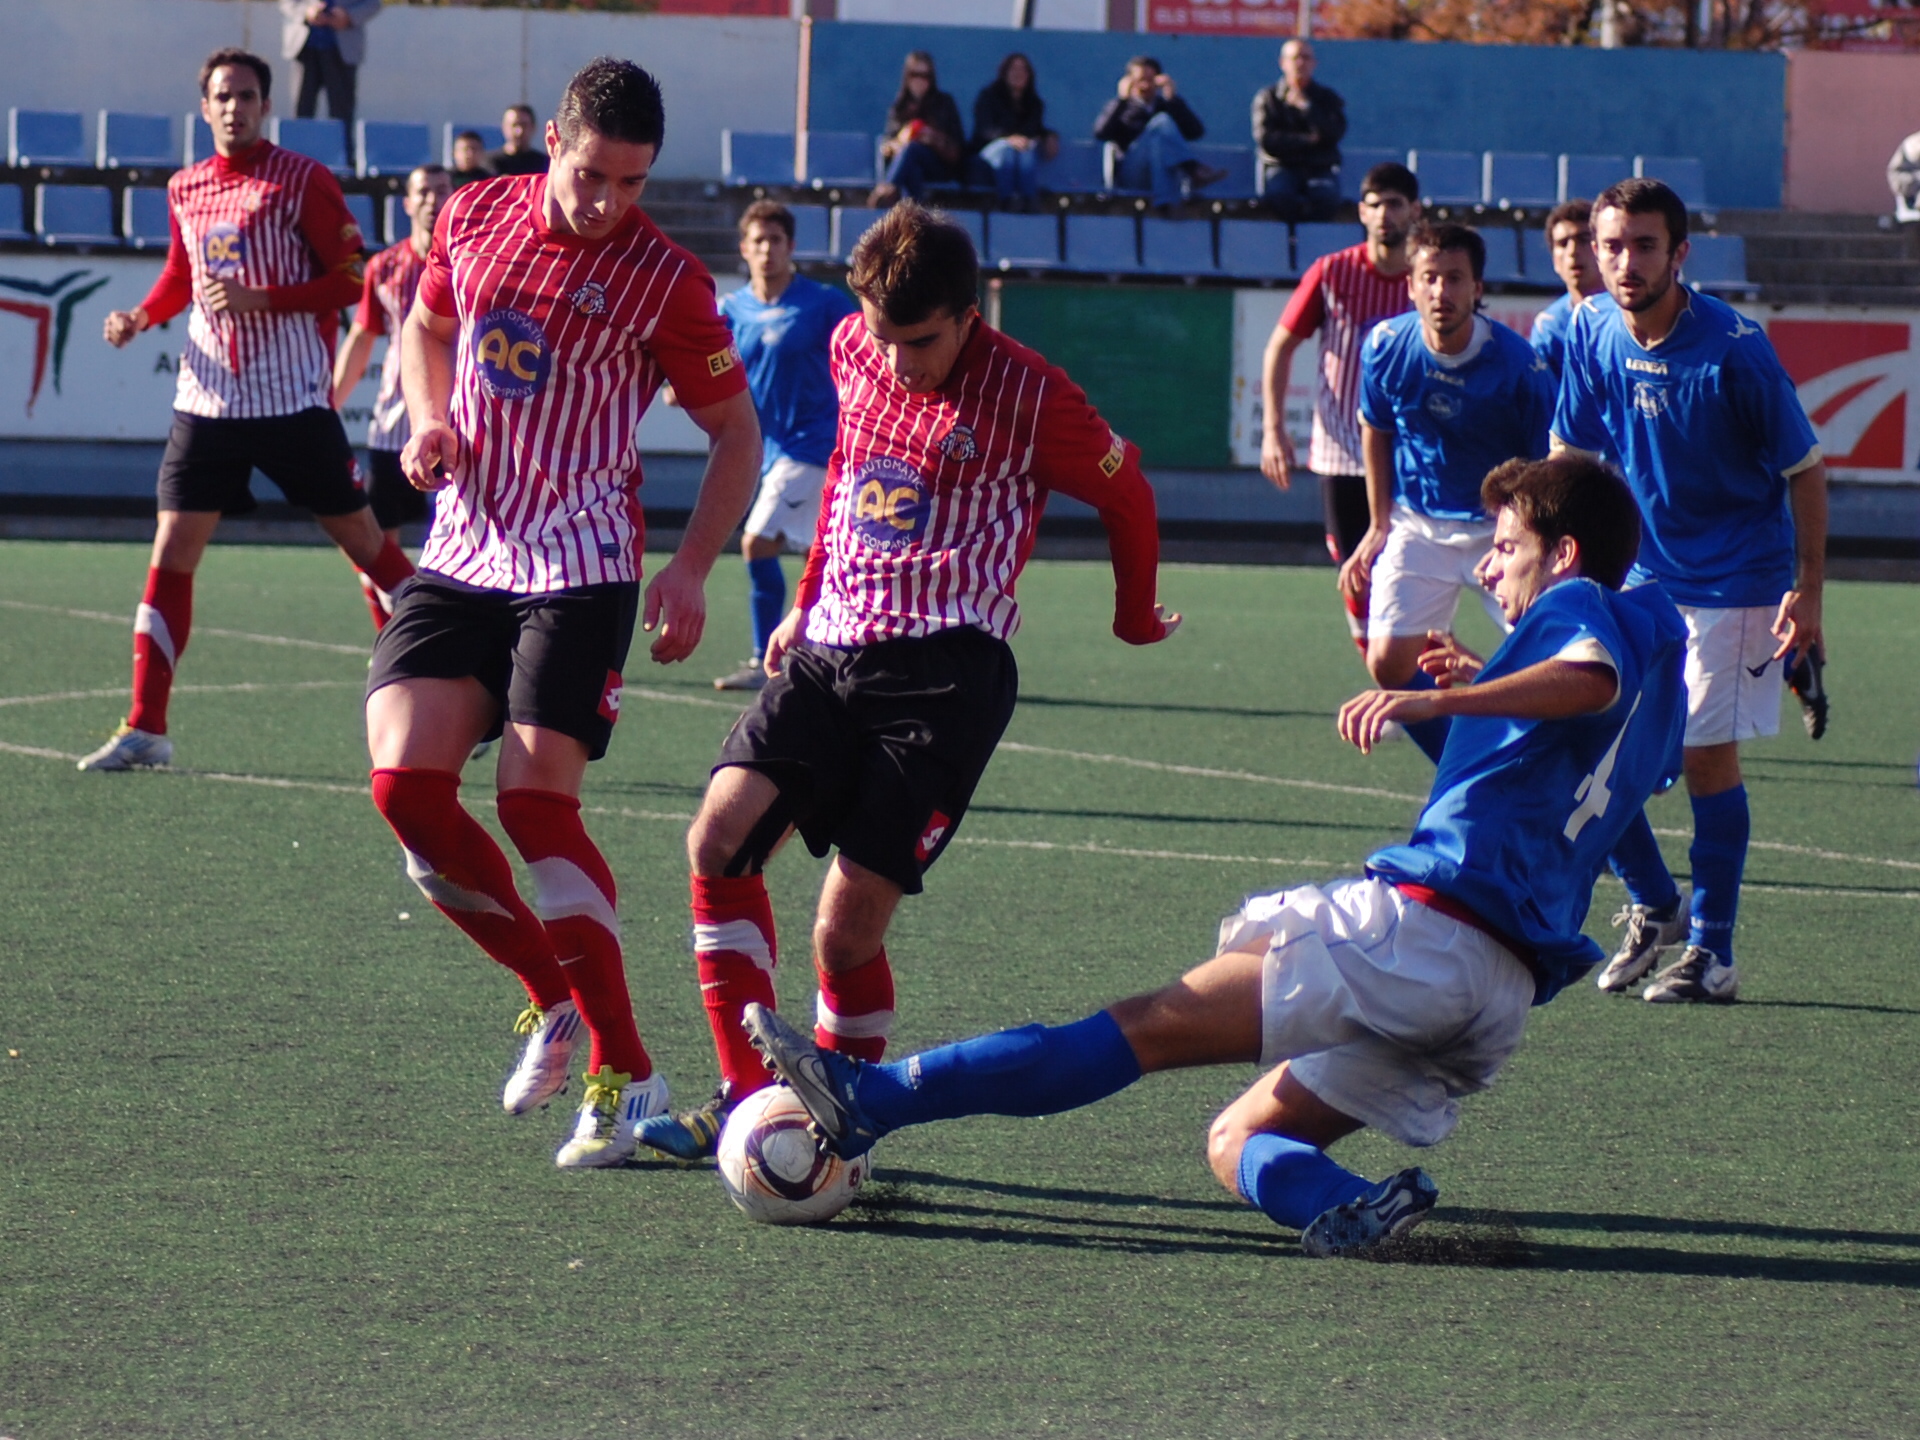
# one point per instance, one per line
(1728, 109)
(1847, 114)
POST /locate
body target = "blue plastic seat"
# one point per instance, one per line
(1584, 176)
(199, 140)
(1243, 177)
(74, 215)
(1102, 244)
(1682, 174)
(840, 158)
(1716, 262)
(975, 224)
(13, 214)
(1503, 255)
(1521, 180)
(756, 157)
(1355, 162)
(490, 139)
(47, 137)
(850, 222)
(1536, 257)
(134, 140)
(812, 232)
(143, 217)
(1024, 242)
(1256, 250)
(1176, 247)
(392, 147)
(1448, 177)
(321, 140)
(361, 208)
(1311, 241)
(394, 213)
(1078, 169)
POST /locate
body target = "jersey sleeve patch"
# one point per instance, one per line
(1115, 457)
(721, 361)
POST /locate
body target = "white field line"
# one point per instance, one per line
(246, 687)
(1245, 777)
(126, 623)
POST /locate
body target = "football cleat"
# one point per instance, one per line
(603, 1136)
(541, 1073)
(823, 1080)
(1808, 681)
(1647, 938)
(692, 1134)
(1393, 1207)
(130, 749)
(480, 751)
(1698, 975)
(751, 675)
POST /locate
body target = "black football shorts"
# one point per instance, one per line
(210, 461)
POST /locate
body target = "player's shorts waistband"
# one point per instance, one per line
(1454, 910)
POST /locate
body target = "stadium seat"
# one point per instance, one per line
(975, 224)
(74, 215)
(322, 140)
(1176, 247)
(13, 214)
(1102, 244)
(843, 158)
(1078, 169)
(46, 137)
(1243, 178)
(1110, 154)
(1584, 176)
(388, 147)
(398, 225)
(812, 232)
(1448, 177)
(1310, 242)
(490, 137)
(199, 140)
(1356, 162)
(1024, 242)
(850, 222)
(1716, 262)
(756, 157)
(1682, 174)
(129, 140)
(1521, 181)
(1256, 250)
(143, 217)
(1503, 255)
(364, 215)
(1536, 257)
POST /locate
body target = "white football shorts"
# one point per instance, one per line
(1387, 1010)
(788, 503)
(1418, 577)
(1726, 699)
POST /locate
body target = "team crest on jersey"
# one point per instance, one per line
(958, 444)
(1650, 400)
(1442, 406)
(589, 299)
(890, 503)
(223, 249)
(510, 351)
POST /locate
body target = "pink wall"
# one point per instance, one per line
(1846, 113)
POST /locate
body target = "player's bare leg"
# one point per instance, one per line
(376, 555)
(1393, 660)
(854, 1010)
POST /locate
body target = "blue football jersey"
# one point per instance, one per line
(783, 348)
(1705, 426)
(1549, 334)
(1453, 418)
(1524, 812)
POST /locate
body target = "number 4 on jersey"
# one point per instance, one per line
(1593, 795)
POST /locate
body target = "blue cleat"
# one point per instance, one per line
(1391, 1208)
(823, 1080)
(692, 1135)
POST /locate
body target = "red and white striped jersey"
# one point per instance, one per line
(269, 219)
(562, 343)
(1343, 297)
(932, 500)
(392, 278)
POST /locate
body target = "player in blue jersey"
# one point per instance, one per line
(781, 323)
(1687, 397)
(1569, 230)
(1445, 395)
(1377, 1001)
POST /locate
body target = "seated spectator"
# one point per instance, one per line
(926, 143)
(519, 156)
(1153, 126)
(469, 159)
(1903, 178)
(1010, 137)
(1298, 124)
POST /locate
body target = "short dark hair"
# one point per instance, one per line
(615, 99)
(1646, 197)
(234, 55)
(766, 212)
(473, 135)
(1572, 495)
(524, 109)
(913, 263)
(1439, 238)
(431, 169)
(1569, 212)
(1145, 62)
(1392, 175)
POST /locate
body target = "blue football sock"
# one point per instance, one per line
(1035, 1070)
(1720, 829)
(1294, 1183)
(1429, 735)
(767, 597)
(1637, 860)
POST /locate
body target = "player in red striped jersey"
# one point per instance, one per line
(1342, 296)
(550, 312)
(262, 248)
(898, 679)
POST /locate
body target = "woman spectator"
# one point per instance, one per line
(1010, 137)
(926, 143)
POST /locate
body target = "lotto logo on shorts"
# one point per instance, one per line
(510, 350)
(610, 697)
(224, 250)
(890, 503)
(930, 838)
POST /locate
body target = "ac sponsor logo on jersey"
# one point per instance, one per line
(890, 503)
(610, 696)
(589, 299)
(1649, 399)
(1442, 406)
(958, 444)
(722, 361)
(223, 250)
(511, 352)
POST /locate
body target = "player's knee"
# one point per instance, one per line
(708, 849)
(1226, 1138)
(1386, 667)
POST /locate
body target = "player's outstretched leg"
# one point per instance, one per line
(1705, 970)
(160, 627)
(1393, 1207)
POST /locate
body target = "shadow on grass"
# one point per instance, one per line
(1064, 702)
(1163, 818)
(1827, 1005)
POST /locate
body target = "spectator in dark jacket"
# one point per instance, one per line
(926, 141)
(1010, 136)
(1153, 126)
(1299, 125)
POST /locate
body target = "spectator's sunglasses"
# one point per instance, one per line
(919, 74)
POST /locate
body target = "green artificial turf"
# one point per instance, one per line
(256, 1182)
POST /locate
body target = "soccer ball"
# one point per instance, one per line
(773, 1168)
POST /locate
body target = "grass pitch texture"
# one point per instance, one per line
(257, 1182)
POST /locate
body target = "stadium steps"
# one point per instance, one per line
(1804, 259)
(694, 215)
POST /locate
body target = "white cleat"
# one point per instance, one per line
(603, 1136)
(1646, 940)
(130, 749)
(552, 1036)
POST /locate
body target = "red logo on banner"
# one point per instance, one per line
(1853, 378)
(1224, 17)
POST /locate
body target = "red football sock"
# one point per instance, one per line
(160, 628)
(1357, 619)
(384, 576)
(577, 900)
(735, 951)
(466, 877)
(379, 603)
(853, 1013)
